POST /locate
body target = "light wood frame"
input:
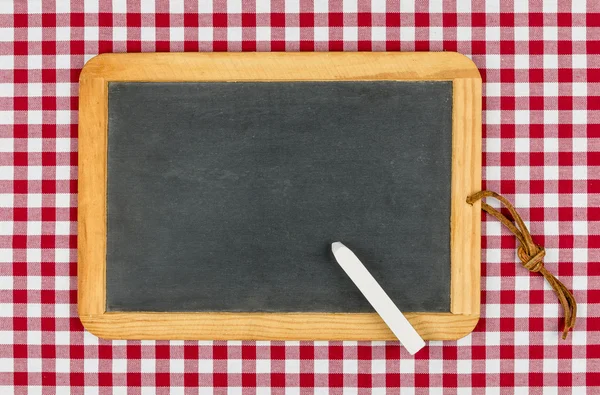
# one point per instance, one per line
(179, 67)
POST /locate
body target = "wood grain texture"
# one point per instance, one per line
(91, 214)
(465, 220)
(174, 67)
(279, 66)
(272, 326)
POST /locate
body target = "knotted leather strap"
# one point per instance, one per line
(530, 254)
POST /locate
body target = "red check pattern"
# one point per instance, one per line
(540, 63)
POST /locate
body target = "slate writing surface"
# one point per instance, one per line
(226, 196)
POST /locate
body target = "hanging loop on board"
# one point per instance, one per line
(530, 254)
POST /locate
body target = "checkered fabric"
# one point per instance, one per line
(540, 63)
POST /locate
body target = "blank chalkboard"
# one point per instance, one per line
(225, 196)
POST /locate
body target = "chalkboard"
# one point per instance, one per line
(227, 196)
(211, 187)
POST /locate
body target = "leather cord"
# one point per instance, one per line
(530, 254)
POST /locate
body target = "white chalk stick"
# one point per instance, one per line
(380, 301)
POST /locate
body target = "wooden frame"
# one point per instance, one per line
(466, 179)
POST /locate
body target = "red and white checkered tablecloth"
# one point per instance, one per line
(540, 63)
